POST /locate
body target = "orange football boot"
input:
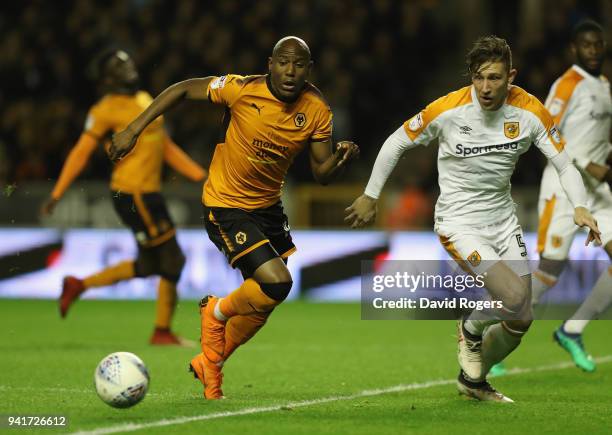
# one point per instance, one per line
(71, 290)
(209, 374)
(212, 338)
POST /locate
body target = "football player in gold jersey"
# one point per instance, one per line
(269, 120)
(135, 187)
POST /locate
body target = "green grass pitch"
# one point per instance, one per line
(312, 362)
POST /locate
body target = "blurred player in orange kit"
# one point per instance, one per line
(269, 120)
(135, 186)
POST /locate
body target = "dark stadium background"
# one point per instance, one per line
(315, 367)
(377, 62)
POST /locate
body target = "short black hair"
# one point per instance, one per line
(97, 65)
(488, 49)
(584, 26)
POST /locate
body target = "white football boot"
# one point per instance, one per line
(469, 352)
(482, 390)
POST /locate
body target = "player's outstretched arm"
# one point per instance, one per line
(75, 163)
(363, 210)
(180, 161)
(124, 141)
(573, 185)
(326, 165)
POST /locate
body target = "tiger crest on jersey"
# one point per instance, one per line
(511, 129)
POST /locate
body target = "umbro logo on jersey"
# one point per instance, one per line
(465, 129)
(257, 108)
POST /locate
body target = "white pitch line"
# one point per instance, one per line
(129, 427)
(62, 390)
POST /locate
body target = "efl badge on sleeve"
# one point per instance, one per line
(511, 129)
(556, 106)
(218, 83)
(416, 122)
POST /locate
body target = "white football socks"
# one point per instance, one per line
(499, 341)
(575, 326)
(596, 303)
(217, 312)
(478, 320)
(478, 325)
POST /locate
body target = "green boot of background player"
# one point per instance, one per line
(573, 345)
(498, 369)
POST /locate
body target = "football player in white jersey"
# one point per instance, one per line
(482, 129)
(582, 108)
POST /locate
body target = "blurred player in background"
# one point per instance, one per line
(135, 187)
(269, 120)
(482, 130)
(582, 108)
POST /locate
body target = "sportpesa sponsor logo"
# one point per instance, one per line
(462, 150)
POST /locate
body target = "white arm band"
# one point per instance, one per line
(570, 178)
(388, 156)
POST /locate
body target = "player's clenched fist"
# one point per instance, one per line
(346, 150)
(122, 143)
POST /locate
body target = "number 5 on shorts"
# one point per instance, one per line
(521, 244)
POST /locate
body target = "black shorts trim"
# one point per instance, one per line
(249, 238)
(250, 262)
(288, 253)
(248, 250)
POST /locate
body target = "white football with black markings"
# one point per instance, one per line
(121, 379)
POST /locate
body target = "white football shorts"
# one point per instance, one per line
(557, 229)
(480, 247)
